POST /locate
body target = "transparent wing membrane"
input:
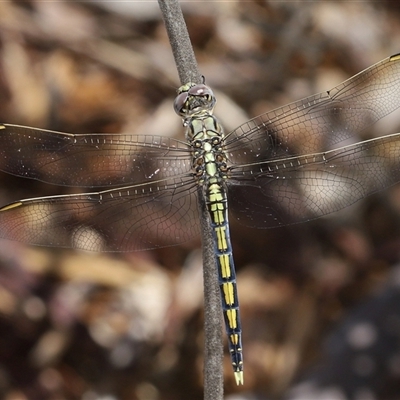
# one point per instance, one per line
(126, 219)
(296, 189)
(322, 121)
(94, 160)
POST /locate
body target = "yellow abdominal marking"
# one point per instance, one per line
(225, 266)
(232, 318)
(218, 215)
(221, 238)
(234, 338)
(229, 293)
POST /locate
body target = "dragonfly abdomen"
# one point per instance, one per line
(216, 201)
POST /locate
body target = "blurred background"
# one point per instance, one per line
(320, 301)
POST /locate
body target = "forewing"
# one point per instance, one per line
(322, 121)
(90, 160)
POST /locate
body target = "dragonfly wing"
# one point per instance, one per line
(300, 188)
(90, 160)
(321, 121)
(129, 218)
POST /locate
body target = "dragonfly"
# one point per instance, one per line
(140, 191)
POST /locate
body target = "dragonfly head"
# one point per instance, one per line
(194, 99)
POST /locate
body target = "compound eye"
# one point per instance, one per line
(201, 90)
(179, 103)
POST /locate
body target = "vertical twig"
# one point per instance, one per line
(182, 49)
(213, 350)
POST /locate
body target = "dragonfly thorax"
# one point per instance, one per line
(206, 139)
